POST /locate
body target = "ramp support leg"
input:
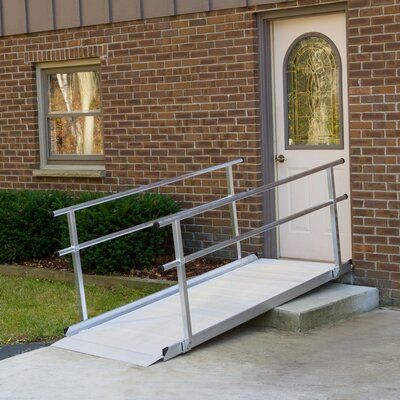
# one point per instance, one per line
(76, 260)
(233, 209)
(334, 221)
(183, 289)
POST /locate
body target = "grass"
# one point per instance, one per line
(38, 310)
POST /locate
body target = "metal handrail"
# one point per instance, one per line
(181, 215)
(141, 189)
(184, 214)
(76, 247)
(116, 196)
(250, 234)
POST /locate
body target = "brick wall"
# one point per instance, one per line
(374, 82)
(179, 94)
(182, 93)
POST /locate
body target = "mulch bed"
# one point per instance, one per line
(59, 264)
(193, 268)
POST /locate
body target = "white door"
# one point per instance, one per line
(311, 128)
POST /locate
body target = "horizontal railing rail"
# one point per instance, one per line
(145, 188)
(105, 238)
(181, 215)
(250, 234)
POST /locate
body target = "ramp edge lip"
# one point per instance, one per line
(104, 351)
(127, 308)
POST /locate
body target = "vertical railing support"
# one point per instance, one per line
(183, 289)
(76, 260)
(233, 209)
(334, 220)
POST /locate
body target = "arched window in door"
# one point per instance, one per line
(313, 93)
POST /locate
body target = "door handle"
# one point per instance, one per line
(281, 158)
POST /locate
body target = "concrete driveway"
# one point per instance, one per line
(357, 359)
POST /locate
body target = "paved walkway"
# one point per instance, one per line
(357, 359)
(11, 350)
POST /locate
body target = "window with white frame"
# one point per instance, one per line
(70, 120)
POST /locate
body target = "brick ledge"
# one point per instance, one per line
(69, 173)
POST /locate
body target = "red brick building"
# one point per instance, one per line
(101, 95)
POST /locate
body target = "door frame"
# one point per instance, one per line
(264, 26)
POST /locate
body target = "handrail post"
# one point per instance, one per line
(76, 260)
(183, 289)
(233, 209)
(334, 219)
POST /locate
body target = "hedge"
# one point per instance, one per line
(28, 231)
(137, 250)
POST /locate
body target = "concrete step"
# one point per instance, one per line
(326, 305)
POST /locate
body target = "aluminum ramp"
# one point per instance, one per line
(226, 298)
(175, 320)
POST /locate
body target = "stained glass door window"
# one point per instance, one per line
(313, 94)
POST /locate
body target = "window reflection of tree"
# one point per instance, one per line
(71, 93)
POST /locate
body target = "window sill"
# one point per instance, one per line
(70, 172)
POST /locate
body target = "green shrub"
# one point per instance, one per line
(27, 229)
(137, 250)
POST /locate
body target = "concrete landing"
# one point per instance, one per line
(326, 305)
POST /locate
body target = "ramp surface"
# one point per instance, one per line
(143, 336)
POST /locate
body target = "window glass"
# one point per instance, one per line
(74, 120)
(77, 91)
(82, 135)
(313, 94)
